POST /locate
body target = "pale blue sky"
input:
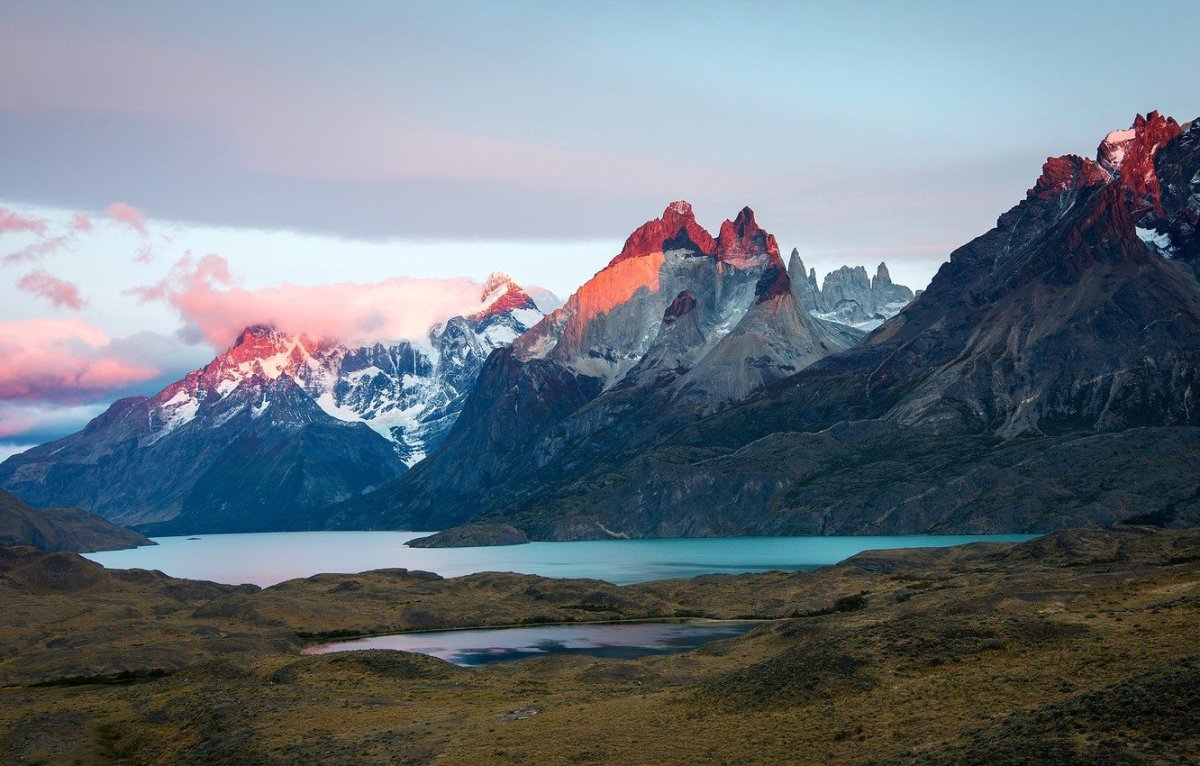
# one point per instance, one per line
(846, 125)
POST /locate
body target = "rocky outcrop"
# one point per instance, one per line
(804, 283)
(849, 297)
(675, 230)
(846, 295)
(885, 293)
(1128, 157)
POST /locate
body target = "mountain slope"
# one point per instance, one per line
(275, 426)
(61, 529)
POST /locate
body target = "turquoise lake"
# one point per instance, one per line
(269, 558)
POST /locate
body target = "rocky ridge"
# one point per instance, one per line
(848, 296)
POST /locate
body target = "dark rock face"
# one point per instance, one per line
(61, 529)
(1046, 378)
(472, 535)
(274, 428)
(1174, 233)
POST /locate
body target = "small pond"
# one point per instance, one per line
(485, 646)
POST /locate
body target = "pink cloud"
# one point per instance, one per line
(13, 421)
(57, 291)
(37, 250)
(213, 307)
(81, 222)
(62, 360)
(25, 423)
(11, 222)
(130, 216)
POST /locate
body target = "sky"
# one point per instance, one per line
(170, 170)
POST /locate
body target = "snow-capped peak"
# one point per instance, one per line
(1111, 153)
(408, 393)
(502, 297)
(496, 285)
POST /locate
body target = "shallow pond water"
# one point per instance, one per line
(624, 640)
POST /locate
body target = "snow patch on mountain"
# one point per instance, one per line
(1158, 241)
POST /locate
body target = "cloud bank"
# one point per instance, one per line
(65, 361)
(215, 309)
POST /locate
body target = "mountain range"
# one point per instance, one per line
(698, 386)
(1046, 378)
(848, 296)
(679, 325)
(279, 426)
(275, 426)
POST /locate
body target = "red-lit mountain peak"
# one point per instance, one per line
(743, 243)
(265, 342)
(260, 351)
(676, 229)
(1128, 155)
(502, 295)
(1069, 171)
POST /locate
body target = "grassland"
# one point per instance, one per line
(1081, 647)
